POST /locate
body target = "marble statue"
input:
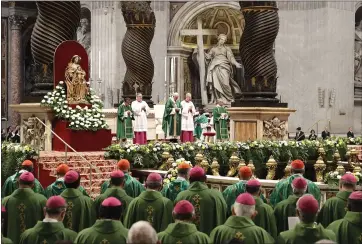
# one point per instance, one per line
(219, 76)
(75, 80)
(84, 35)
(358, 53)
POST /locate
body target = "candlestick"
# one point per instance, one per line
(99, 64)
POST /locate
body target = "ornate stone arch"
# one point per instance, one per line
(187, 12)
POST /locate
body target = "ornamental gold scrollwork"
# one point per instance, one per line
(274, 129)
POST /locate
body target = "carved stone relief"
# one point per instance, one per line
(274, 129)
(34, 133)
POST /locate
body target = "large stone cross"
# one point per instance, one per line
(199, 33)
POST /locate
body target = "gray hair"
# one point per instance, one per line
(142, 232)
(139, 95)
(188, 95)
(175, 94)
(244, 210)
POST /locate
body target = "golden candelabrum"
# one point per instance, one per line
(233, 164)
(354, 160)
(205, 165)
(198, 158)
(319, 167)
(241, 164)
(251, 166)
(322, 153)
(271, 166)
(165, 156)
(288, 170)
(215, 166)
(340, 169)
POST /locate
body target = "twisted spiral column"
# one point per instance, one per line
(256, 51)
(140, 21)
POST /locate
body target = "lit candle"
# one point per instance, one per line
(99, 64)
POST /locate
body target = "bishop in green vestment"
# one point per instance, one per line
(349, 228)
(24, 207)
(265, 215)
(183, 230)
(240, 226)
(171, 124)
(221, 118)
(108, 229)
(4, 220)
(172, 189)
(80, 214)
(201, 122)
(150, 206)
(335, 208)
(51, 229)
(283, 188)
(116, 190)
(10, 185)
(124, 120)
(307, 231)
(210, 206)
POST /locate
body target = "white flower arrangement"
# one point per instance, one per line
(79, 118)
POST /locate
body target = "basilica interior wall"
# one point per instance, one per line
(315, 51)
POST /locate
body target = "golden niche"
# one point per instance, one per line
(77, 88)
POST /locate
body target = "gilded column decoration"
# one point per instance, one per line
(56, 22)
(319, 167)
(257, 54)
(165, 156)
(140, 21)
(215, 167)
(34, 133)
(271, 166)
(16, 65)
(233, 165)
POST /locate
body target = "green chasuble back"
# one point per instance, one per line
(24, 209)
(183, 233)
(172, 189)
(103, 231)
(47, 232)
(58, 186)
(334, 208)
(209, 204)
(265, 217)
(240, 228)
(132, 186)
(283, 210)
(10, 185)
(349, 229)
(150, 206)
(80, 214)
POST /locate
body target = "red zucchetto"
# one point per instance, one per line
(308, 204)
(71, 176)
(111, 202)
(299, 183)
(183, 207)
(117, 174)
(154, 177)
(123, 164)
(349, 178)
(356, 195)
(245, 172)
(245, 199)
(56, 202)
(197, 173)
(62, 169)
(27, 163)
(297, 164)
(27, 177)
(253, 183)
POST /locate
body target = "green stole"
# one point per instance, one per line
(171, 124)
(124, 124)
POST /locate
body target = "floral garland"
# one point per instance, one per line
(332, 178)
(358, 176)
(80, 118)
(171, 174)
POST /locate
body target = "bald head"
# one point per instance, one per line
(142, 233)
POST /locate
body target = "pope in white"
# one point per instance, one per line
(187, 119)
(140, 110)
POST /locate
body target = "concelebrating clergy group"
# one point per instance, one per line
(184, 211)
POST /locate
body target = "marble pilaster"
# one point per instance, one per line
(15, 91)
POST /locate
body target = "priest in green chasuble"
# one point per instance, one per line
(240, 225)
(306, 231)
(116, 190)
(24, 207)
(51, 228)
(124, 121)
(4, 220)
(11, 183)
(108, 228)
(283, 188)
(201, 122)
(80, 214)
(349, 228)
(172, 189)
(220, 120)
(210, 206)
(171, 123)
(335, 208)
(265, 217)
(287, 208)
(58, 186)
(150, 206)
(183, 230)
(132, 186)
